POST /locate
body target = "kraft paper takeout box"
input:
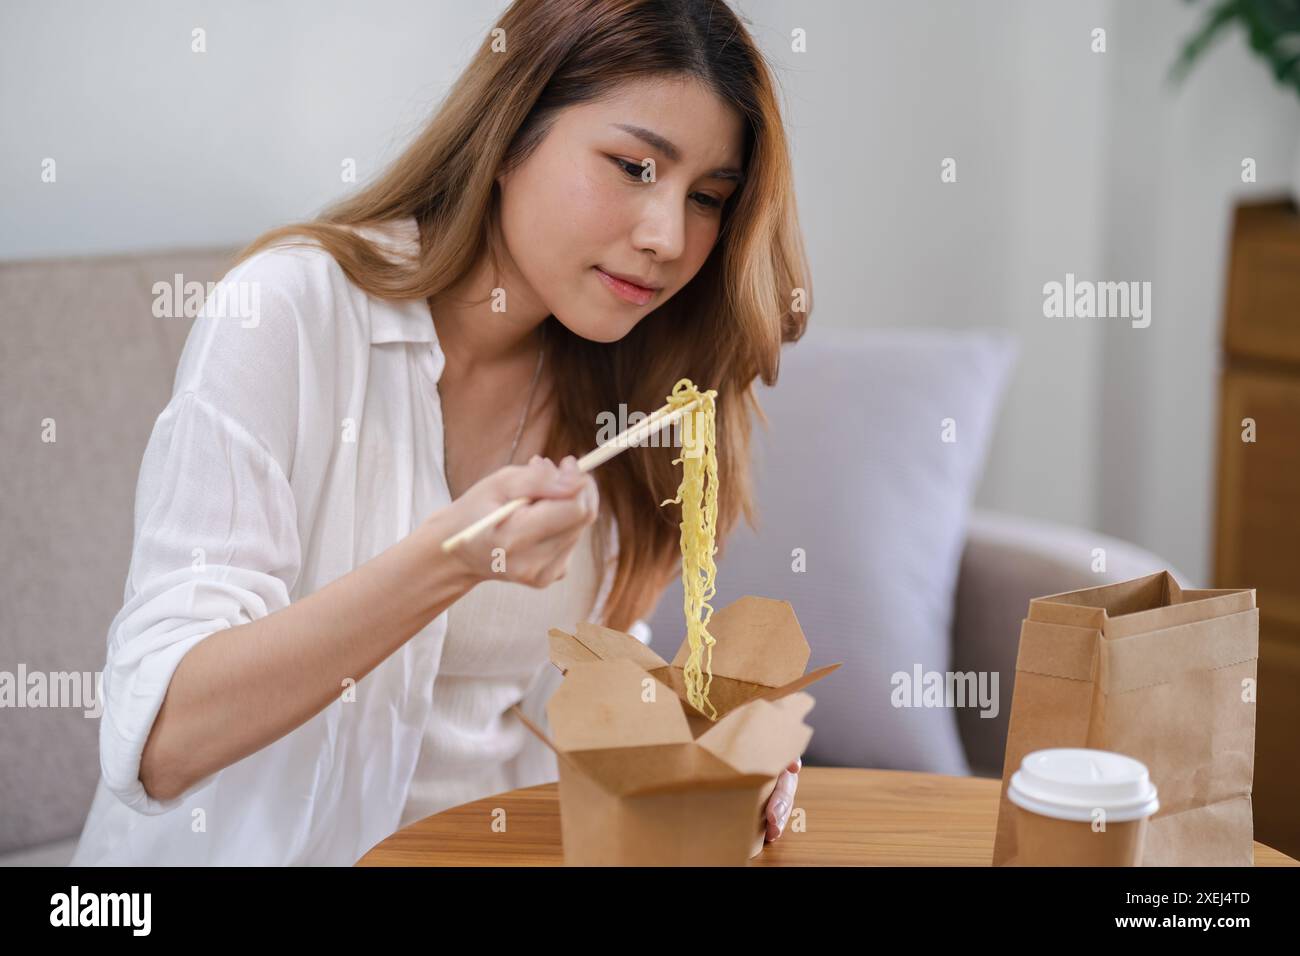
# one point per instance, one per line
(1157, 672)
(645, 779)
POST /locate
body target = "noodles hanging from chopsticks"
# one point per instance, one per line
(698, 497)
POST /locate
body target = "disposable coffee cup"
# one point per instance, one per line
(1080, 807)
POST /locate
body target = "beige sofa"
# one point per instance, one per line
(84, 355)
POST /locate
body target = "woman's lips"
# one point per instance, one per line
(636, 294)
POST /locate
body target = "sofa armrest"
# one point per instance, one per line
(1007, 561)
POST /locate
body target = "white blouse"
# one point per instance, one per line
(472, 748)
(303, 438)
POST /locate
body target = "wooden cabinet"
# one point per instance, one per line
(1257, 527)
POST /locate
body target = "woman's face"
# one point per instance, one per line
(597, 197)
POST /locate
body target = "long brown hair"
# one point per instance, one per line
(722, 330)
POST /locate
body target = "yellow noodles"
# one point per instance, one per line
(698, 496)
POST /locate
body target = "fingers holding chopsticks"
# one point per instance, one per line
(533, 544)
(629, 437)
(566, 505)
(542, 535)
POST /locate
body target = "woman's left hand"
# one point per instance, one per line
(781, 801)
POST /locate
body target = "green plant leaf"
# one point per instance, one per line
(1221, 16)
(1272, 31)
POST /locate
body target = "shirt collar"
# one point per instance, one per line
(401, 321)
(393, 320)
(407, 320)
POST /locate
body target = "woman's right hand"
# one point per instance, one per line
(537, 539)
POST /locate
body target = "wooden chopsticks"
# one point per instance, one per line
(627, 438)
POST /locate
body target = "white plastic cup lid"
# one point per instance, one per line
(1071, 783)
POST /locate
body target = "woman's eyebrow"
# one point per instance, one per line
(651, 138)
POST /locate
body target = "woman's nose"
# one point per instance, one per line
(661, 228)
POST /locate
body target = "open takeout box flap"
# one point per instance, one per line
(666, 768)
(727, 695)
(567, 650)
(649, 770)
(627, 771)
(609, 704)
(761, 737)
(777, 648)
(799, 683)
(592, 642)
(756, 639)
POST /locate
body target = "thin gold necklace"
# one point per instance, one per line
(537, 374)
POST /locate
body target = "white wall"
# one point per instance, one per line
(1068, 161)
(1173, 175)
(158, 146)
(884, 94)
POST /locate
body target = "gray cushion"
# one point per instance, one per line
(854, 472)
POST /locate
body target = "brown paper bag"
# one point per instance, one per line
(1163, 675)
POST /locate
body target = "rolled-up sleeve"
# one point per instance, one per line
(216, 542)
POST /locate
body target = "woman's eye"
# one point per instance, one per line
(637, 171)
(633, 170)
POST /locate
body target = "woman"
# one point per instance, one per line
(603, 205)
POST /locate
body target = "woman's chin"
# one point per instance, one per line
(603, 330)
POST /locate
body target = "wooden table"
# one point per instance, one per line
(854, 818)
